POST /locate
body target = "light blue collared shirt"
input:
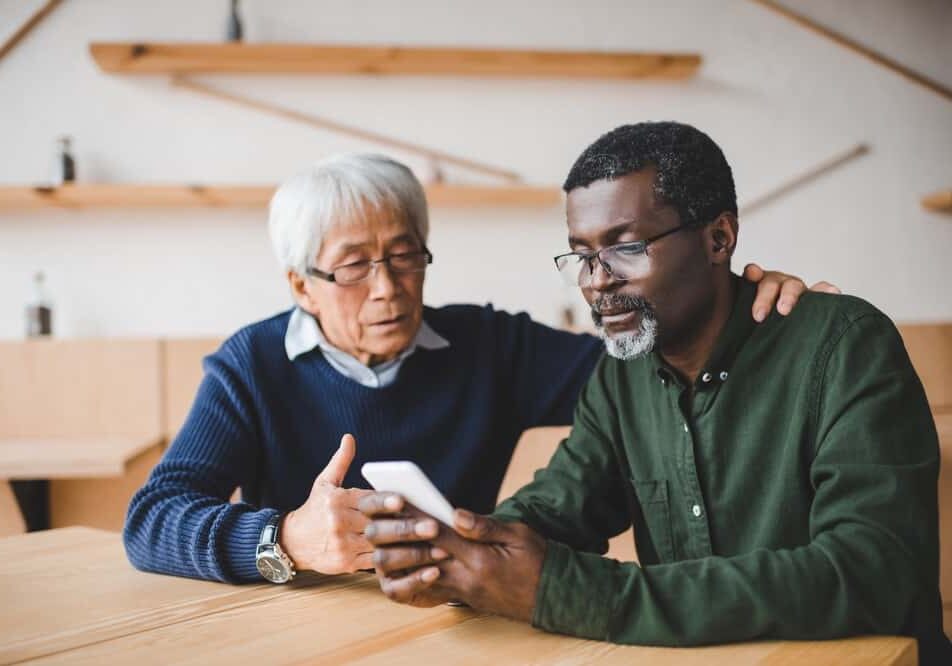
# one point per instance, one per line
(304, 334)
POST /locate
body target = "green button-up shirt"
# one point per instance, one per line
(789, 493)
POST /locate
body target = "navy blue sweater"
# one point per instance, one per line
(268, 425)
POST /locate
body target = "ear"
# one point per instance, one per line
(300, 292)
(721, 238)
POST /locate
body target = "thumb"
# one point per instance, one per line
(337, 468)
(475, 527)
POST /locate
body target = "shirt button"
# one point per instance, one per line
(686, 428)
(696, 510)
(706, 377)
(723, 375)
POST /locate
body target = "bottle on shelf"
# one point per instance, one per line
(233, 30)
(39, 311)
(64, 166)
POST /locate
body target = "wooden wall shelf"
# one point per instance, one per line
(940, 201)
(199, 58)
(94, 195)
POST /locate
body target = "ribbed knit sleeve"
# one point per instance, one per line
(181, 521)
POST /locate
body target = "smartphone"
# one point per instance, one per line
(405, 478)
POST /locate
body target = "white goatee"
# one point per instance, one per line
(631, 344)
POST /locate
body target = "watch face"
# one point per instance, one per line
(272, 568)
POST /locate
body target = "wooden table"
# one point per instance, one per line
(70, 596)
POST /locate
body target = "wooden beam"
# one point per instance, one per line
(854, 46)
(802, 179)
(479, 196)
(102, 195)
(24, 29)
(941, 202)
(334, 126)
(191, 58)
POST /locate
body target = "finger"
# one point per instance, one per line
(337, 468)
(409, 530)
(391, 559)
(826, 288)
(357, 494)
(349, 499)
(790, 292)
(349, 521)
(380, 504)
(411, 589)
(767, 290)
(477, 528)
(753, 273)
(364, 560)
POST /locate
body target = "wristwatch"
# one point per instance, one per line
(272, 562)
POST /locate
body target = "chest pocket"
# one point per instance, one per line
(656, 518)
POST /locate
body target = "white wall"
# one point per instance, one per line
(776, 97)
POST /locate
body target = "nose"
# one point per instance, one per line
(382, 283)
(601, 279)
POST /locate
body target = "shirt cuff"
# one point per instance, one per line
(576, 593)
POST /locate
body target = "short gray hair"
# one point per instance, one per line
(337, 191)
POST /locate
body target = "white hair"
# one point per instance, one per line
(631, 344)
(337, 191)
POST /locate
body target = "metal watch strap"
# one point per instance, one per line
(269, 535)
(270, 550)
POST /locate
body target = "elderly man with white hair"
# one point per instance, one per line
(283, 399)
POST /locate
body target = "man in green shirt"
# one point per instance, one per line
(780, 477)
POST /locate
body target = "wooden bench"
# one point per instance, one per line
(85, 414)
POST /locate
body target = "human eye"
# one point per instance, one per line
(408, 260)
(352, 261)
(630, 249)
(352, 272)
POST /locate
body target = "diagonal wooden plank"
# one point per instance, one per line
(25, 29)
(802, 179)
(839, 38)
(311, 120)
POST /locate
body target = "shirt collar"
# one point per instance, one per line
(304, 334)
(740, 324)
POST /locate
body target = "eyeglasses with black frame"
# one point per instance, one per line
(358, 271)
(623, 262)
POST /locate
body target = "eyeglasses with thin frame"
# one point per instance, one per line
(623, 262)
(358, 271)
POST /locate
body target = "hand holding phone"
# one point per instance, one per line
(405, 478)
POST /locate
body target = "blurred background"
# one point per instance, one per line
(141, 142)
(780, 98)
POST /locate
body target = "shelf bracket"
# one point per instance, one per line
(30, 23)
(856, 47)
(802, 179)
(436, 156)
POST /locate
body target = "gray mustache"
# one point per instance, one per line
(617, 301)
